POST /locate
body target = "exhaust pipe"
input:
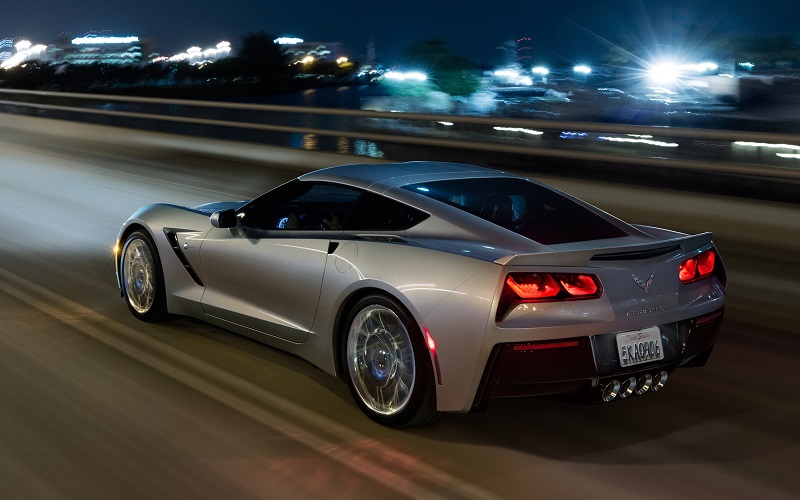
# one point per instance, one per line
(627, 387)
(610, 391)
(630, 386)
(644, 384)
(659, 380)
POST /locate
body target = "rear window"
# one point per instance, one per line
(524, 207)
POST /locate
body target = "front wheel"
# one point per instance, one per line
(388, 369)
(142, 279)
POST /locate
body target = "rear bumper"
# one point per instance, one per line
(580, 367)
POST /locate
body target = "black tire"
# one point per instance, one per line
(142, 278)
(386, 365)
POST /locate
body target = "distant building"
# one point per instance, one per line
(6, 48)
(93, 49)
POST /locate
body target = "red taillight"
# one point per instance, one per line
(705, 263)
(578, 285)
(687, 270)
(521, 288)
(698, 267)
(533, 286)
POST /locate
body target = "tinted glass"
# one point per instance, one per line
(301, 205)
(523, 207)
(378, 213)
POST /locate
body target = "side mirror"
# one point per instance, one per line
(224, 218)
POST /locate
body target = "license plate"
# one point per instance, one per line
(640, 346)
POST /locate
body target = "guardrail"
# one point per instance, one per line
(738, 153)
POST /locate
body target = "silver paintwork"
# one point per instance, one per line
(291, 293)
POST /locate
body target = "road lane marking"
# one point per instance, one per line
(355, 451)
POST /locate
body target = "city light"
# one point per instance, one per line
(663, 73)
(512, 76)
(25, 51)
(507, 73)
(670, 72)
(341, 60)
(540, 70)
(286, 40)
(582, 69)
(196, 55)
(401, 76)
(94, 39)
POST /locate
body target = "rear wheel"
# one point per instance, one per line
(142, 278)
(388, 369)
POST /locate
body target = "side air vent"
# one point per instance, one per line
(173, 242)
(386, 238)
(638, 255)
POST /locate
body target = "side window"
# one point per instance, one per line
(301, 205)
(378, 213)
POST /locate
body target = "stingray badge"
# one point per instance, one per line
(644, 285)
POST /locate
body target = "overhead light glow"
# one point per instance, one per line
(664, 73)
(540, 70)
(582, 69)
(401, 76)
(669, 72)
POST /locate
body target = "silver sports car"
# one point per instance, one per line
(433, 287)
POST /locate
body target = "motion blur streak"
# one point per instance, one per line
(390, 468)
(81, 420)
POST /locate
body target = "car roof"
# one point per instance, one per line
(379, 177)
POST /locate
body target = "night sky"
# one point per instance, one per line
(571, 29)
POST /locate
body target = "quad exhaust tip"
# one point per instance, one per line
(630, 386)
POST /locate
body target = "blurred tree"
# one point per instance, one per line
(30, 75)
(260, 57)
(447, 71)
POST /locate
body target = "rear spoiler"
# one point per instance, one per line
(580, 258)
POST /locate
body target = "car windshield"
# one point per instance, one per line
(524, 207)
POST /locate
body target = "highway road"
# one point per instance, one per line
(94, 404)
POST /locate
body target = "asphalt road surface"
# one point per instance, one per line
(95, 404)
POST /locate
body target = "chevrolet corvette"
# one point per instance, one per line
(434, 287)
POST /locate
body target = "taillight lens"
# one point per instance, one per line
(521, 288)
(697, 268)
(533, 286)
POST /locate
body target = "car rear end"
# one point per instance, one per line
(611, 324)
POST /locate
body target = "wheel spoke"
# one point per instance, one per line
(139, 275)
(382, 364)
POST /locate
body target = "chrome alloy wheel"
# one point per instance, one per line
(139, 275)
(381, 360)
